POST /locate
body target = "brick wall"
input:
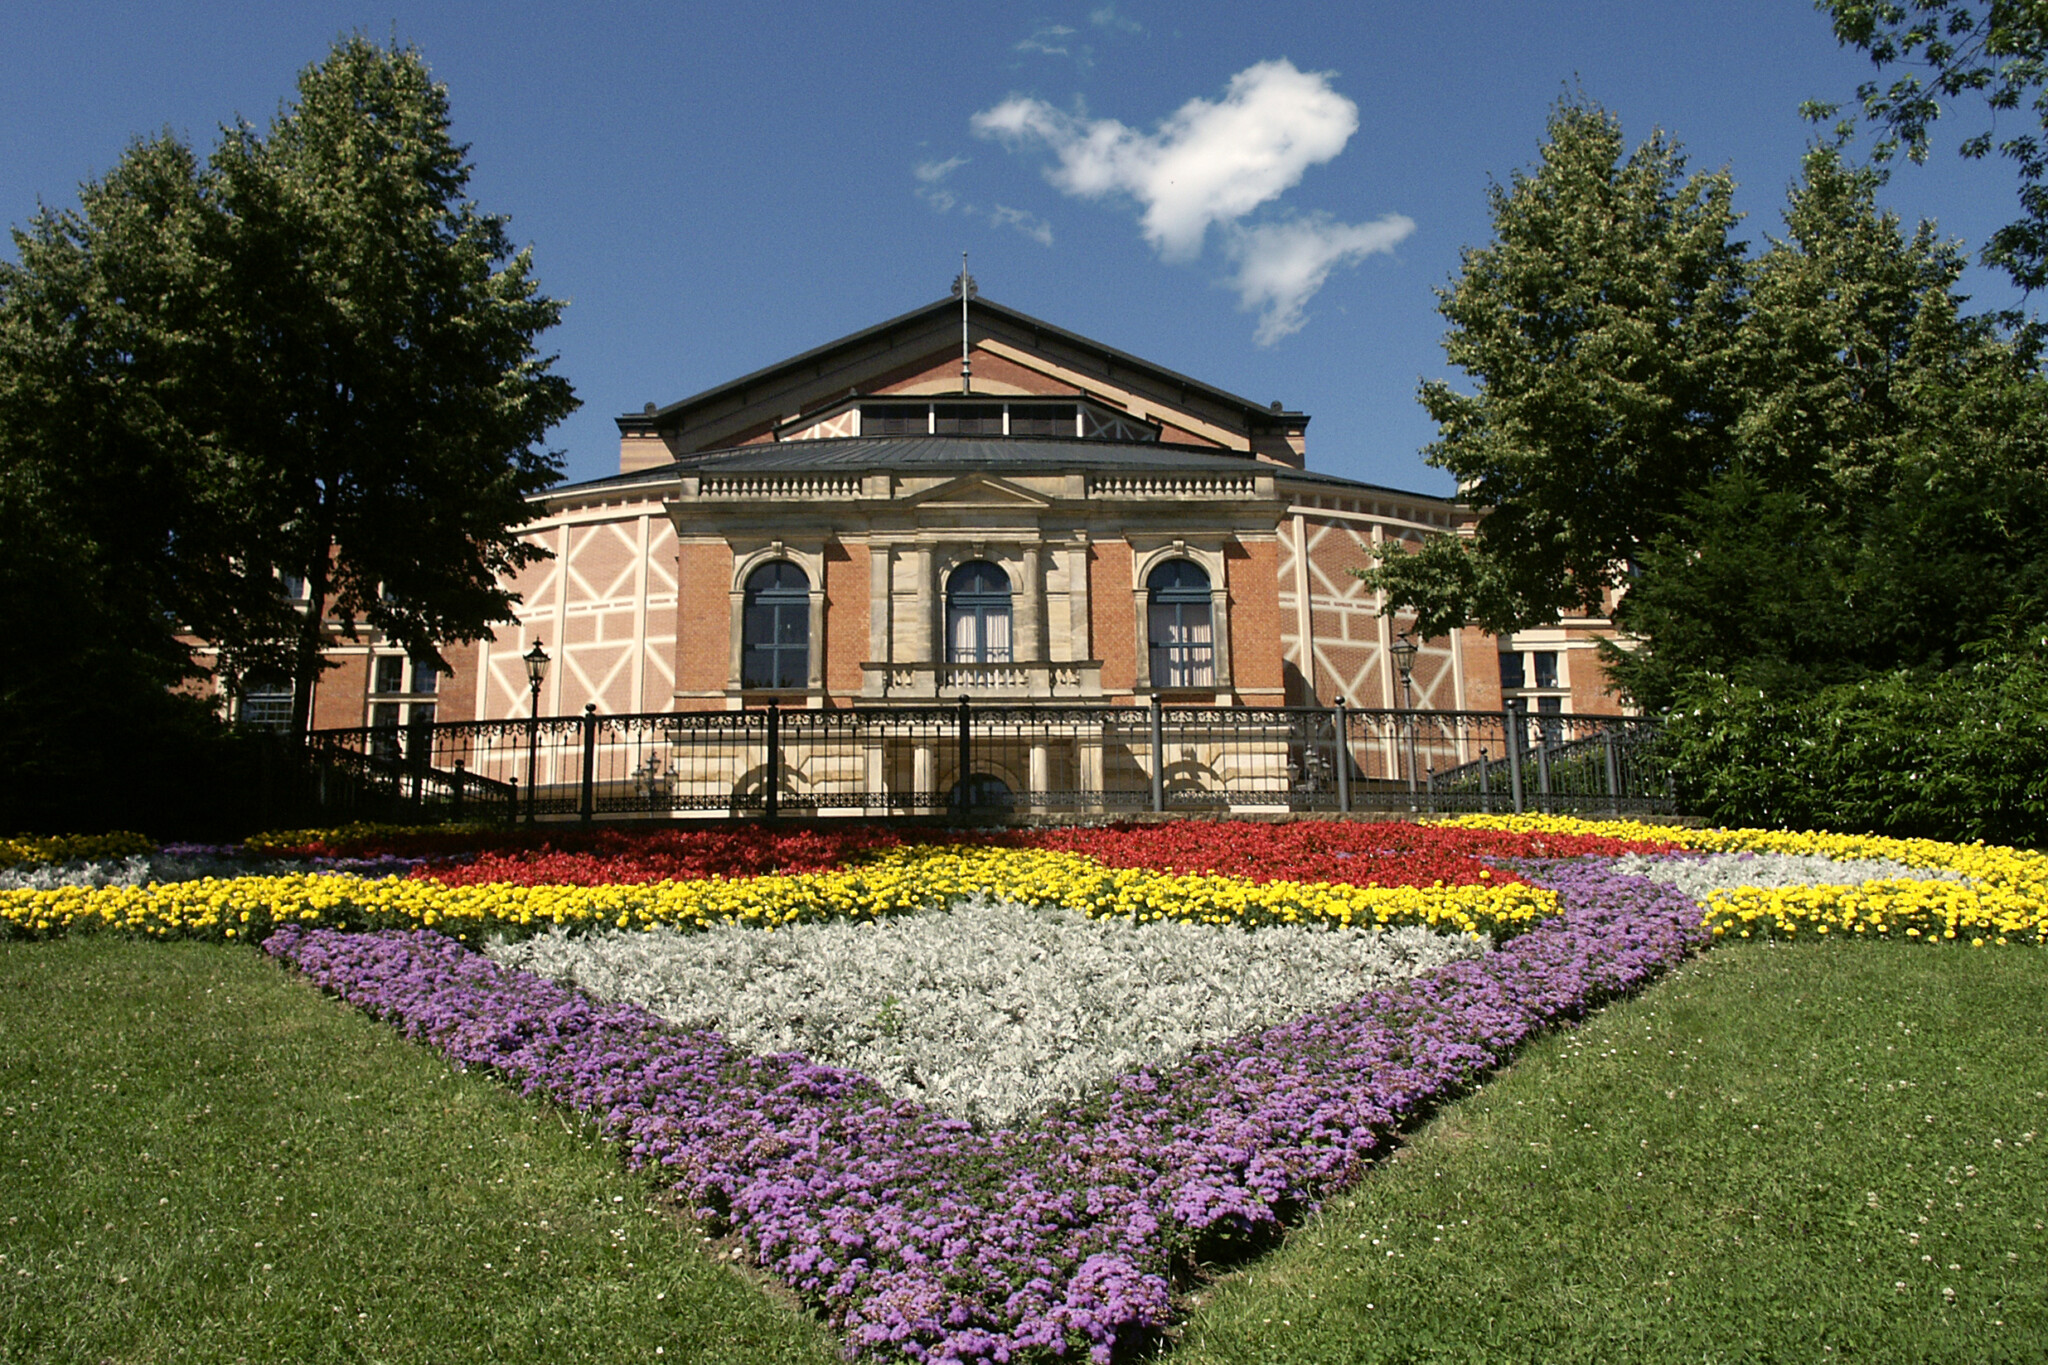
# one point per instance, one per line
(1255, 663)
(1109, 612)
(846, 617)
(703, 621)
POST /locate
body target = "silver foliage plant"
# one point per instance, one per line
(1698, 877)
(990, 1010)
(137, 870)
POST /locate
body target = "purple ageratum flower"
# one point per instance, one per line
(921, 1237)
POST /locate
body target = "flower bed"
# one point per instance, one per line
(890, 881)
(57, 848)
(921, 1236)
(991, 1009)
(1999, 895)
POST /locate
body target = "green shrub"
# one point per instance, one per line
(1959, 755)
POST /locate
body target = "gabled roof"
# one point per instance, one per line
(1256, 415)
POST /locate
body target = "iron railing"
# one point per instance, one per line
(996, 761)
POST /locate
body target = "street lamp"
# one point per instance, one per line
(1404, 651)
(536, 673)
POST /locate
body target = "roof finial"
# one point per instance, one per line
(963, 289)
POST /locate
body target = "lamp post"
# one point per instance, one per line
(1404, 651)
(536, 673)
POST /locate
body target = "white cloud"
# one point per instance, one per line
(930, 175)
(1280, 266)
(932, 172)
(1048, 41)
(1108, 18)
(931, 188)
(1209, 162)
(1030, 224)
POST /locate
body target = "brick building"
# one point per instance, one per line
(995, 508)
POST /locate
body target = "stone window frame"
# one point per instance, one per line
(1022, 557)
(1209, 557)
(809, 557)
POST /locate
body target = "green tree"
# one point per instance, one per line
(311, 357)
(1884, 508)
(1995, 49)
(389, 329)
(1599, 325)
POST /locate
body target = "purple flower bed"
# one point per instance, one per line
(922, 1237)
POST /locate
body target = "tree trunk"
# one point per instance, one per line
(312, 632)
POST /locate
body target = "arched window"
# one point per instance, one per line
(775, 627)
(978, 614)
(981, 791)
(1181, 635)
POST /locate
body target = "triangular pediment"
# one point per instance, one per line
(978, 490)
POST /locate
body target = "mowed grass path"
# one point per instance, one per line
(204, 1160)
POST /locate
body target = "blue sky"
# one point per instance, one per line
(715, 187)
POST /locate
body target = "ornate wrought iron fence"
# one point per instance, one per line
(996, 761)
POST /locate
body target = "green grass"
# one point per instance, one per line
(201, 1159)
(1733, 1167)
(204, 1160)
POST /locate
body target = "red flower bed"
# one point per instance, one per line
(1391, 853)
(602, 855)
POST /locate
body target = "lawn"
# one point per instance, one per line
(1778, 1151)
(203, 1159)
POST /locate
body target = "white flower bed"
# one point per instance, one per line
(990, 1010)
(1697, 877)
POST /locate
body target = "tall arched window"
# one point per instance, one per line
(978, 614)
(775, 629)
(1182, 637)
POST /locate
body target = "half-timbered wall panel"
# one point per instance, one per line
(1347, 640)
(594, 608)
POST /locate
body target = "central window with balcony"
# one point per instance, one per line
(978, 614)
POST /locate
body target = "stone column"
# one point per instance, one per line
(1030, 643)
(927, 608)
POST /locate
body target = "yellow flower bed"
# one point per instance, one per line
(276, 842)
(60, 848)
(895, 880)
(2004, 901)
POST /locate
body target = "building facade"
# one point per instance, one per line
(966, 503)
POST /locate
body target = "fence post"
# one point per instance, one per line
(771, 771)
(1514, 725)
(512, 810)
(1542, 773)
(1158, 756)
(1485, 785)
(1343, 756)
(1613, 772)
(460, 774)
(963, 791)
(589, 760)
